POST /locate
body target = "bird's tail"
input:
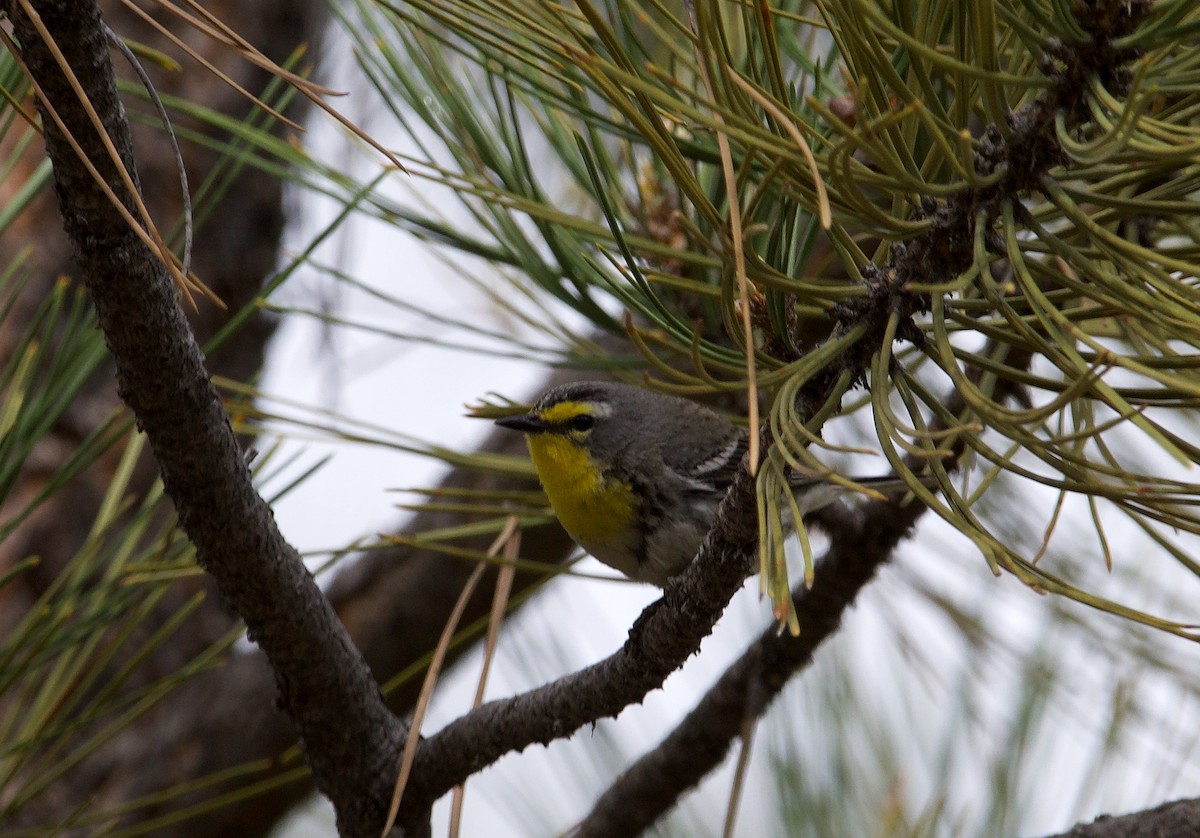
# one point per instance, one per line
(813, 493)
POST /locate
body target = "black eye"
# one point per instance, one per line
(582, 422)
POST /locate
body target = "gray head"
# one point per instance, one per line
(622, 425)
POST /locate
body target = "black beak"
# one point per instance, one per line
(528, 423)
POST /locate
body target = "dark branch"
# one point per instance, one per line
(861, 542)
(1181, 817)
(667, 633)
(325, 686)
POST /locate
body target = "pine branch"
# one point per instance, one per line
(393, 602)
(666, 634)
(861, 542)
(701, 741)
(351, 739)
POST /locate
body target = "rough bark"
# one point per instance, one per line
(235, 249)
(1170, 820)
(350, 739)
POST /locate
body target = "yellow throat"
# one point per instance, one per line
(594, 509)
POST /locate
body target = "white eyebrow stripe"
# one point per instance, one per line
(718, 461)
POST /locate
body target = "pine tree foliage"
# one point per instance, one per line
(989, 201)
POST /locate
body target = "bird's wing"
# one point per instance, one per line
(716, 472)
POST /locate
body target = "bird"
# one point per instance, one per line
(635, 477)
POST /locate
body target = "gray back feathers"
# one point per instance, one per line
(694, 442)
